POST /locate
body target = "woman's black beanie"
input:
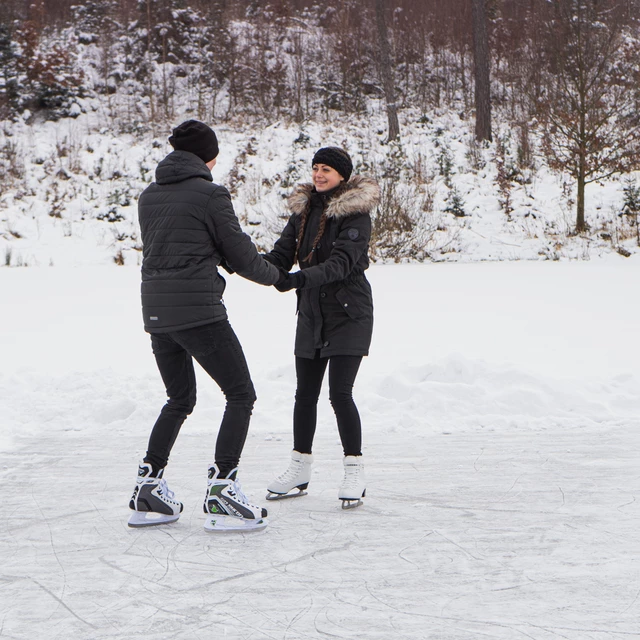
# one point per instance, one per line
(336, 158)
(196, 137)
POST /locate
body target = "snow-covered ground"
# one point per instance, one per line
(501, 408)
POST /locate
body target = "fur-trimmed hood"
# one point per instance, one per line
(359, 195)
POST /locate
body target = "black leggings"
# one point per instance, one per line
(216, 348)
(342, 375)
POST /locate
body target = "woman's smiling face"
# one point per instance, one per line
(325, 177)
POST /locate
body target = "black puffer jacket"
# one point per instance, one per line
(335, 305)
(189, 228)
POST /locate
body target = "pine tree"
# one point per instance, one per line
(9, 92)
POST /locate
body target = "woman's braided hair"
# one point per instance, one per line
(316, 240)
(303, 223)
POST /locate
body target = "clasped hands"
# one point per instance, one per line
(289, 281)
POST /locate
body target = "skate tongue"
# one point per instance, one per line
(146, 470)
(215, 473)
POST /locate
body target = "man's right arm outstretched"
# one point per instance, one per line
(236, 248)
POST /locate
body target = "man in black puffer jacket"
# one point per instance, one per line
(189, 229)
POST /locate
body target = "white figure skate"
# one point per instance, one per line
(353, 486)
(297, 476)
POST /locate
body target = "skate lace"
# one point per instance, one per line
(291, 473)
(237, 489)
(351, 477)
(163, 489)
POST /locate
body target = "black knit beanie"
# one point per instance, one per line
(197, 138)
(336, 158)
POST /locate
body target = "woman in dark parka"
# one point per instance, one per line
(328, 236)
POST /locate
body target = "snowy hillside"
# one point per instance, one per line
(75, 203)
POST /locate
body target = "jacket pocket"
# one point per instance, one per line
(350, 303)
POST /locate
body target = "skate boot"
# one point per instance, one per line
(152, 501)
(353, 486)
(297, 476)
(226, 506)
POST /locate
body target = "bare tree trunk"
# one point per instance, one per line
(298, 76)
(482, 77)
(580, 223)
(386, 71)
(582, 164)
(150, 66)
(165, 91)
(463, 76)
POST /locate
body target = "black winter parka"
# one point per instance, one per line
(188, 228)
(335, 304)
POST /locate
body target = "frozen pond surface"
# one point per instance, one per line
(501, 412)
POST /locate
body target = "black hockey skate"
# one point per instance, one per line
(226, 506)
(152, 501)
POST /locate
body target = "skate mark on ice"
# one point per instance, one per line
(170, 556)
(478, 458)
(53, 549)
(61, 516)
(413, 544)
(504, 625)
(298, 615)
(455, 544)
(428, 500)
(510, 489)
(163, 565)
(556, 631)
(626, 504)
(61, 602)
(109, 523)
(439, 618)
(178, 544)
(623, 611)
(135, 575)
(320, 631)
(253, 632)
(306, 556)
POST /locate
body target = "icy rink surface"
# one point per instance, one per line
(501, 417)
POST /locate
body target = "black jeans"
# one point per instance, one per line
(342, 375)
(217, 349)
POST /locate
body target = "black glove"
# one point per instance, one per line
(290, 281)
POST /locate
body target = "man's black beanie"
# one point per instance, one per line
(336, 158)
(197, 138)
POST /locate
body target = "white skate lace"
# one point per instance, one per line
(291, 473)
(351, 478)
(239, 493)
(164, 490)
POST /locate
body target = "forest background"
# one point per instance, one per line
(498, 129)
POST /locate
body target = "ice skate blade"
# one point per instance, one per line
(231, 523)
(149, 519)
(351, 504)
(284, 496)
